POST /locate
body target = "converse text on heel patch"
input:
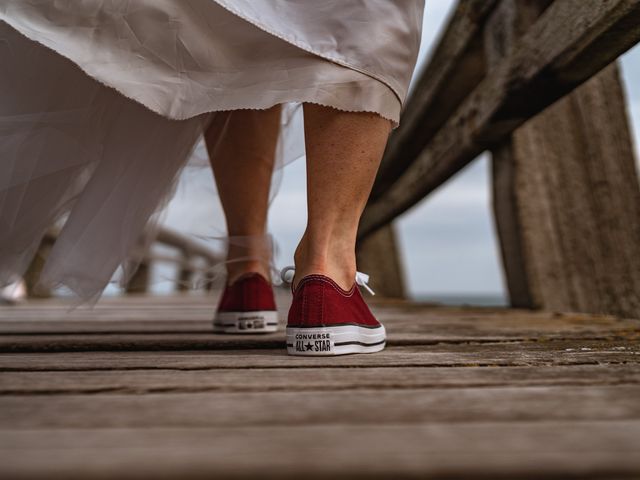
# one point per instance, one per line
(313, 343)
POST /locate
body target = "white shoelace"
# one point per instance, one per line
(362, 279)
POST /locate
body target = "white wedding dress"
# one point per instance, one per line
(103, 101)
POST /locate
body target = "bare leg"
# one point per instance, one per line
(344, 150)
(241, 147)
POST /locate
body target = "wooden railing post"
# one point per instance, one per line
(507, 23)
(566, 195)
(378, 256)
(185, 272)
(32, 275)
(209, 276)
(139, 281)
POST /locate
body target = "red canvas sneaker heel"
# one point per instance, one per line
(247, 306)
(324, 319)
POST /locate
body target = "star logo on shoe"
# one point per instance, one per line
(308, 346)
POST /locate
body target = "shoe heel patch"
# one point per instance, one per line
(313, 343)
(249, 322)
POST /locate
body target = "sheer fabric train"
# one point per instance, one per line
(103, 103)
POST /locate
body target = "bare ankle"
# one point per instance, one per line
(236, 269)
(248, 253)
(337, 262)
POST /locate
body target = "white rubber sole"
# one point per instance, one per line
(341, 340)
(265, 321)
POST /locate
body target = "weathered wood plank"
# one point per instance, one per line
(177, 312)
(137, 342)
(405, 326)
(209, 341)
(373, 407)
(280, 379)
(405, 322)
(174, 308)
(100, 326)
(582, 450)
(82, 336)
(546, 353)
(571, 41)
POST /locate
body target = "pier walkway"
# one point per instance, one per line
(140, 388)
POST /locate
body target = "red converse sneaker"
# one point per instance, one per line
(247, 306)
(324, 319)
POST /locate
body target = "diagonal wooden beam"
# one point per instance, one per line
(570, 42)
(455, 67)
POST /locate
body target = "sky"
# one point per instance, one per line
(448, 244)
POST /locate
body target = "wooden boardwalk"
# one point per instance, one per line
(139, 388)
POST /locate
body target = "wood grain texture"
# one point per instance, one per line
(125, 391)
(320, 407)
(379, 256)
(158, 380)
(554, 353)
(455, 67)
(565, 192)
(580, 450)
(578, 201)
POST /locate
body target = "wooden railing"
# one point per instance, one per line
(498, 65)
(193, 258)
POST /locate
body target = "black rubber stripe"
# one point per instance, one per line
(243, 312)
(322, 325)
(271, 324)
(359, 343)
